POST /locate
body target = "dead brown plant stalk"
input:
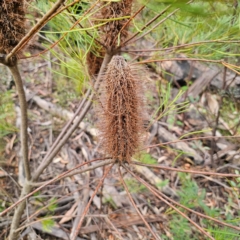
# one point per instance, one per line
(155, 192)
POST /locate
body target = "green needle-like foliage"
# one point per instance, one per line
(205, 23)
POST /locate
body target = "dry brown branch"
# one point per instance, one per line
(26, 187)
(74, 234)
(154, 191)
(181, 59)
(64, 35)
(153, 178)
(70, 127)
(190, 210)
(186, 171)
(81, 201)
(134, 205)
(190, 139)
(171, 49)
(35, 29)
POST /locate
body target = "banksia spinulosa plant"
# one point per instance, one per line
(12, 22)
(111, 29)
(121, 114)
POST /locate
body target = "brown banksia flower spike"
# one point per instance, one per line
(121, 111)
(12, 24)
(110, 33)
(94, 60)
(112, 28)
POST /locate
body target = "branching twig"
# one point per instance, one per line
(26, 187)
(169, 49)
(62, 37)
(181, 59)
(74, 234)
(186, 171)
(35, 29)
(150, 22)
(134, 205)
(190, 139)
(71, 126)
(169, 204)
(190, 210)
(127, 23)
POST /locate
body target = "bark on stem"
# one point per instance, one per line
(24, 145)
(24, 121)
(18, 213)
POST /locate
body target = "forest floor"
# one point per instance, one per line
(176, 111)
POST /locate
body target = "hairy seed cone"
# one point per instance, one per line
(94, 60)
(112, 28)
(121, 118)
(12, 24)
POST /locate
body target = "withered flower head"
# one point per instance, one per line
(94, 60)
(121, 111)
(111, 29)
(12, 24)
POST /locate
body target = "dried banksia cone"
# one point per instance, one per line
(94, 61)
(111, 29)
(121, 111)
(12, 22)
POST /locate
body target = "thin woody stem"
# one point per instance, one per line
(127, 23)
(62, 37)
(35, 29)
(185, 171)
(67, 173)
(143, 28)
(168, 203)
(189, 139)
(182, 46)
(24, 121)
(73, 237)
(134, 205)
(13, 67)
(180, 59)
(72, 125)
